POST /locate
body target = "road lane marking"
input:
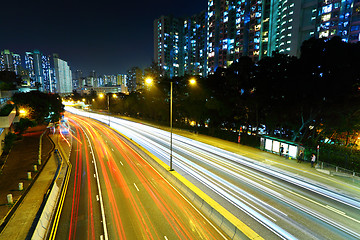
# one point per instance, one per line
(136, 187)
(97, 197)
(165, 238)
(335, 210)
(94, 175)
(121, 163)
(99, 189)
(112, 149)
(231, 218)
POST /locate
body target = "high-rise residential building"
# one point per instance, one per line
(291, 23)
(121, 79)
(40, 71)
(64, 84)
(78, 79)
(195, 45)
(235, 29)
(354, 33)
(340, 18)
(134, 79)
(168, 35)
(9, 61)
(253, 28)
(109, 80)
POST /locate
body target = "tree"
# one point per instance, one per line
(46, 106)
(9, 80)
(22, 125)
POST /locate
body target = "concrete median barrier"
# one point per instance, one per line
(226, 221)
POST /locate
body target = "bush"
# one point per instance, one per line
(341, 156)
(23, 124)
(8, 142)
(6, 110)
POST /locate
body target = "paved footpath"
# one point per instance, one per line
(20, 160)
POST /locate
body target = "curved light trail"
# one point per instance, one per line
(287, 205)
(138, 202)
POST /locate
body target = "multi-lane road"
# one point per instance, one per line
(274, 203)
(113, 193)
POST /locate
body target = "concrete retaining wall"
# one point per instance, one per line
(46, 216)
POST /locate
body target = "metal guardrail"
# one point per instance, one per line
(336, 170)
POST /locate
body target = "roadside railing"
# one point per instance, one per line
(338, 171)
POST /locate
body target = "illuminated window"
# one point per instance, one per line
(326, 17)
(324, 34)
(327, 9)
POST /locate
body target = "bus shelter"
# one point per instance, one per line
(280, 146)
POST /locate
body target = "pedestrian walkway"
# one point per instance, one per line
(22, 219)
(16, 220)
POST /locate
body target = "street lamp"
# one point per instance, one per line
(22, 112)
(148, 81)
(192, 81)
(102, 95)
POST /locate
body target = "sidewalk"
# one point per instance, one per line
(21, 159)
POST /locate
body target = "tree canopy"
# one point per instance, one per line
(42, 107)
(9, 80)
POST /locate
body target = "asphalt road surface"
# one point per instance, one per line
(114, 193)
(276, 204)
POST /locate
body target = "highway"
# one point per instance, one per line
(114, 193)
(276, 204)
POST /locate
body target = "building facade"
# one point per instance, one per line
(340, 18)
(168, 45)
(64, 84)
(10, 61)
(135, 79)
(40, 72)
(254, 28)
(195, 45)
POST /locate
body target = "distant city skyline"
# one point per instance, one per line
(109, 38)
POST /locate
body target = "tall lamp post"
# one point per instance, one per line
(171, 123)
(149, 81)
(108, 104)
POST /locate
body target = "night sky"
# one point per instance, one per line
(106, 36)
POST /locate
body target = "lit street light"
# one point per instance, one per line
(149, 81)
(102, 95)
(22, 112)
